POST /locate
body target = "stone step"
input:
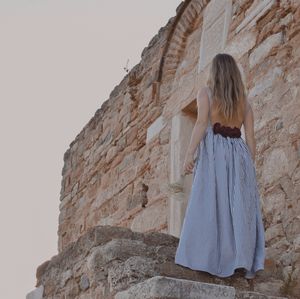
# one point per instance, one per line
(163, 287)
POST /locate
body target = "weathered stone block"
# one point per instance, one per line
(264, 48)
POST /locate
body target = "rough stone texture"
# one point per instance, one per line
(115, 262)
(114, 175)
(265, 47)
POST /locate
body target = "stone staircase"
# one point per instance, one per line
(114, 262)
(162, 287)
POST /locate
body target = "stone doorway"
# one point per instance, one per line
(180, 185)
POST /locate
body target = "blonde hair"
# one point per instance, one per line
(226, 84)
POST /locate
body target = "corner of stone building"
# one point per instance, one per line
(123, 197)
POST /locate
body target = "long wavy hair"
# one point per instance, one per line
(226, 84)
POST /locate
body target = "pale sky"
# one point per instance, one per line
(59, 61)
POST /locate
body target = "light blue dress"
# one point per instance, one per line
(222, 229)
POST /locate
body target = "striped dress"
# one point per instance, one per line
(222, 228)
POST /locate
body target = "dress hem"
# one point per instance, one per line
(247, 276)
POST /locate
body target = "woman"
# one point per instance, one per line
(222, 229)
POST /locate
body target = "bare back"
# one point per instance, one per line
(244, 116)
(217, 116)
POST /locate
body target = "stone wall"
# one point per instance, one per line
(123, 168)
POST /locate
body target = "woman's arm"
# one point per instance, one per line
(249, 130)
(199, 128)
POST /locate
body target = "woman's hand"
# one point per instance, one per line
(188, 164)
